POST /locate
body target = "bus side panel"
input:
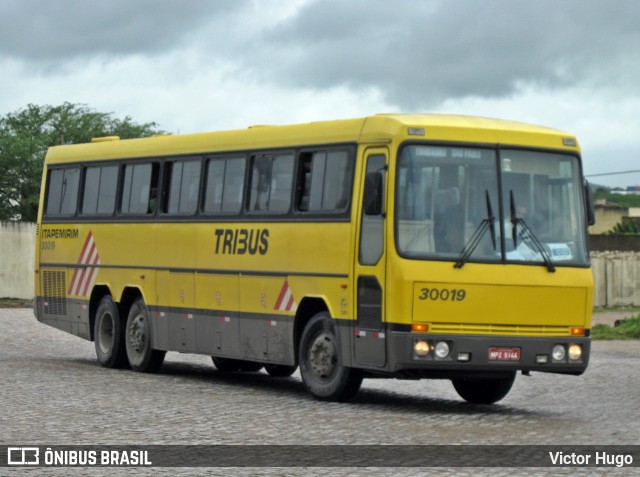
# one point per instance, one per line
(263, 334)
(62, 278)
(71, 316)
(217, 323)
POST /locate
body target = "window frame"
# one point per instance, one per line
(79, 187)
(242, 212)
(273, 154)
(300, 181)
(165, 186)
(208, 160)
(81, 202)
(154, 162)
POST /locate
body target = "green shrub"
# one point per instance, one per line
(627, 329)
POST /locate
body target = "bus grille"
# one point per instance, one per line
(55, 297)
(488, 329)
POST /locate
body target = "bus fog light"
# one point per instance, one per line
(464, 357)
(558, 353)
(575, 352)
(442, 349)
(542, 359)
(421, 348)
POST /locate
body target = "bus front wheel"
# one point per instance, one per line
(483, 391)
(142, 357)
(323, 374)
(108, 334)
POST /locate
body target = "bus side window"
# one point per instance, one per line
(324, 181)
(304, 181)
(271, 183)
(372, 229)
(62, 191)
(181, 187)
(224, 185)
(99, 195)
(139, 189)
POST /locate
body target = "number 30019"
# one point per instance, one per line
(443, 294)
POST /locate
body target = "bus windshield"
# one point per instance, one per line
(448, 206)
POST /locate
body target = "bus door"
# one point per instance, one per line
(369, 331)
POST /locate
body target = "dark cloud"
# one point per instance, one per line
(416, 53)
(37, 30)
(420, 53)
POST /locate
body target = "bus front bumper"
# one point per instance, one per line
(451, 355)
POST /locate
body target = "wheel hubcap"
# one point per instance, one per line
(323, 356)
(137, 334)
(105, 336)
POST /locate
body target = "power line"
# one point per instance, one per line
(611, 173)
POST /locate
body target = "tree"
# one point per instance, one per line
(626, 227)
(628, 200)
(25, 136)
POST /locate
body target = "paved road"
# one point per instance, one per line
(54, 393)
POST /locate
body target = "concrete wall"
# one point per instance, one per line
(17, 243)
(606, 218)
(618, 243)
(617, 278)
(616, 274)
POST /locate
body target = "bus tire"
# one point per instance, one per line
(323, 374)
(280, 370)
(483, 391)
(142, 357)
(226, 365)
(108, 333)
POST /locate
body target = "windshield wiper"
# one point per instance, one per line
(475, 239)
(528, 237)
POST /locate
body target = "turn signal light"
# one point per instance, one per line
(420, 327)
(577, 331)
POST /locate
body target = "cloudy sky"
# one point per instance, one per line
(208, 65)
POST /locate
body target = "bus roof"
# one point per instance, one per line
(381, 128)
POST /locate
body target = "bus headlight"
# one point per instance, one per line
(442, 349)
(558, 353)
(575, 352)
(421, 348)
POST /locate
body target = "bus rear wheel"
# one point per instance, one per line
(483, 391)
(323, 374)
(142, 357)
(108, 334)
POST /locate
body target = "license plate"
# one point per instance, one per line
(504, 354)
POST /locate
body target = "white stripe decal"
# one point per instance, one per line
(84, 277)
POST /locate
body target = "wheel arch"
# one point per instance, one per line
(129, 295)
(308, 308)
(97, 294)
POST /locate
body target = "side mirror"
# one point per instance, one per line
(590, 208)
(373, 193)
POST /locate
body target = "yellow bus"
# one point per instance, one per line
(400, 246)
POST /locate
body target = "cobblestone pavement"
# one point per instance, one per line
(54, 393)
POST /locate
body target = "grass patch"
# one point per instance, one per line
(628, 309)
(627, 329)
(14, 303)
